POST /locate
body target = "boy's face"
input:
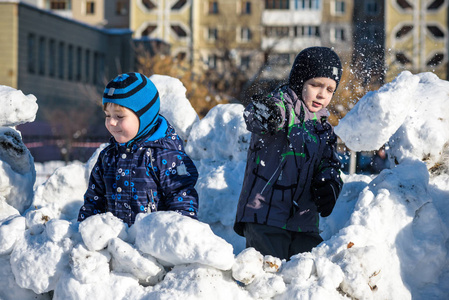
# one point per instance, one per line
(121, 122)
(317, 93)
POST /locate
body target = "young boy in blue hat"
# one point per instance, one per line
(145, 167)
(293, 171)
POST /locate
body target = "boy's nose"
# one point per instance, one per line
(112, 122)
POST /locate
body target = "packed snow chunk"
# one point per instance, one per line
(38, 216)
(300, 266)
(111, 286)
(126, 259)
(89, 266)
(17, 108)
(271, 264)
(10, 230)
(172, 94)
(362, 271)
(266, 286)
(379, 114)
(175, 239)
(57, 230)
(427, 236)
(247, 266)
(63, 192)
(6, 210)
(17, 173)
(219, 184)
(221, 134)
(422, 135)
(197, 282)
(97, 230)
(9, 290)
(37, 263)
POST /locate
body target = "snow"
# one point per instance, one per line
(387, 237)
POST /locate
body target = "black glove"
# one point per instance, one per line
(325, 197)
(267, 112)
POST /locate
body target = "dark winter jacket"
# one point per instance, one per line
(152, 174)
(282, 166)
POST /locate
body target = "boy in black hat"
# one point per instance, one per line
(145, 167)
(293, 171)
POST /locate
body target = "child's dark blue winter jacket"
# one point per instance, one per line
(151, 174)
(283, 165)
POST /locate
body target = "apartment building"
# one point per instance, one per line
(100, 13)
(227, 30)
(57, 58)
(292, 25)
(61, 61)
(416, 35)
(169, 21)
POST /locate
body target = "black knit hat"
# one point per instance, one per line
(314, 62)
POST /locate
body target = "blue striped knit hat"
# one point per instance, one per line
(136, 92)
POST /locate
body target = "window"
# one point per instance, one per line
(149, 30)
(78, 63)
(435, 31)
(70, 62)
(307, 31)
(52, 58)
(212, 34)
(180, 32)
(148, 4)
(403, 31)
(96, 63)
(246, 7)
(59, 5)
(338, 35)
(435, 5)
(245, 62)
(245, 34)
(277, 4)
(120, 8)
(179, 4)
(371, 7)
(61, 60)
(213, 7)
(181, 56)
(276, 31)
(212, 61)
(90, 7)
(41, 56)
(339, 8)
(87, 66)
(436, 60)
(402, 58)
(30, 53)
(404, 4)
(307, 4)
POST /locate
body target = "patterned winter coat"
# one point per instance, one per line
(152, 174)
(283, 165)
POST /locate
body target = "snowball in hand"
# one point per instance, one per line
(174, 239)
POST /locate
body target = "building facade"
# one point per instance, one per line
(167, 20)
(226, 31)
(64, 63)
(416, 37)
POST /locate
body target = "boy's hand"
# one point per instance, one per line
(325, 197)
(267, 112)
